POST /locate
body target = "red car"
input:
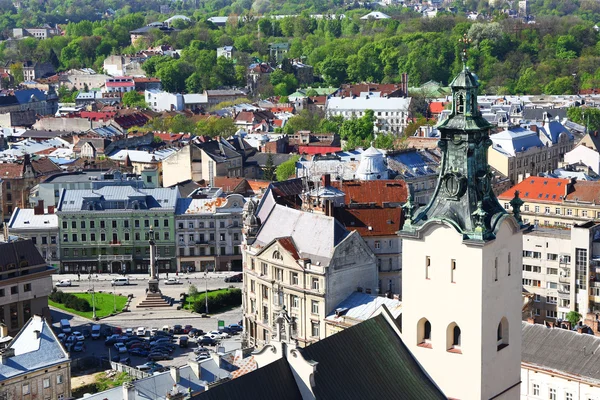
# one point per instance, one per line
(117, 330)
(187, 329)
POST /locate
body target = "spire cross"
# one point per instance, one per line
(465, 42)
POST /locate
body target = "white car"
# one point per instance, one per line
(153, 331)
(120, 347)
(219, 334)
(172, 281)
(141, 331)
(64, 283)
(129, 331)
(78, 336)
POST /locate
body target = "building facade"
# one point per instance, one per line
(209, 233)
(25, 284)
(561, 269)
(465, 245)
(308, 264)
(40, 225)
(106, 230)
(35, 364)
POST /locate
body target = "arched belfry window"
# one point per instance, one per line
(460, 103)
(502, 334)
(453, 338)
(424, 333)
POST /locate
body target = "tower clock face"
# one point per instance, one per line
(454, 185)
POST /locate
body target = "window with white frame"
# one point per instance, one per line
(46, 383)
(552, 271)
(537, 209)
(535, 389)
(59, 379)
(552, 393)
(568, 396)
(557, 210)
(547, 210)
(315, 284)
(551, 299)
(294, 278)
(25, 389)
(295, 302)
(314, 329)
(537, 298)
(550, 314)
(314, 307)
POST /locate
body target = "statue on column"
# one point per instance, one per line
(153, 281)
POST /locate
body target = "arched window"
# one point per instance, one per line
(424, 333)
(502, 334)
(453, 338)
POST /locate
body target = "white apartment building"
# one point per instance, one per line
(391, 113)
(559, 269)
(307, 262)
(209, 233)
(159, 100)
(39, 225)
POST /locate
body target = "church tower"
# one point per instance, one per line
(462, 254)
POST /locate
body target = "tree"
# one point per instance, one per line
(358, 132)
(287, 169)
(133, 99)
(588, 117)
(384, 141)
(304, 121)
(192, 290)
(269, 171)
(573, 317)
(16, 70)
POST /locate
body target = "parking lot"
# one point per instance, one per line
(180, 355)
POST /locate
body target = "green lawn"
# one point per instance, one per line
(104, 304)
(200, 296)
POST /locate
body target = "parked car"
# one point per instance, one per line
(228, 331)
(120, 282)
(86, 332)
(95, 331)
(112, 339)
(117, 330)
(129, 332)
(107, 331)
(235, 278)
(164, 347)
(194, 332)
(167, 329)
(120, 347)
(124, 360)
(78, 336)
(79, 346)
(236, 327)
(202, 356)
(221, 334)
(153, 331)
(199, 350)
(141, 331)
(183, 341)
(177, 329)
(70, 340)
(64, 283)
(139, 352)
(62, 336)
(187, 329)
(149, 365)
(172, 281)
(206, 340)
(160, 340)
(157, 356)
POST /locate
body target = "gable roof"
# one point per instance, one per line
(33, 352)
(378, 191)
(561, 350)
(325, 232)
(11, 170)
(368, 361)
(273, 381)
(376, 221)
(537, 188)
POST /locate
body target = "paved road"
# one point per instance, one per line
(138, 283)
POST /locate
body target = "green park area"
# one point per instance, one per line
(81, 303)
(218, 300)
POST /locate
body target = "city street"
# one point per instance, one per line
(139, 282)
(149, 318)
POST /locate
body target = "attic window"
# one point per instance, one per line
(547, 195)
(554, 196)
(26, 222)
(559, 183)
(540, 196)
(532, 181)
(526, 194)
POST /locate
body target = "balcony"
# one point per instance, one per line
(564, 279)
(115, 242)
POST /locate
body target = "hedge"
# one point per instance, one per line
(70, 300)
(230, 298)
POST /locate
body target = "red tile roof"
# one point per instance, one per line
(45, 166)
(585, 192)
(436, 107)
(376, 221)
(318, 149)
(120, 84)
(145, 80)
(97, 115)
(169, 137)
(11, 170)
(245, 116)
(288, 244)
(378, 192)
(258, 186)
(539, 189)
(227, 184)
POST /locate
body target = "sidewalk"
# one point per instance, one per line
(142, 277)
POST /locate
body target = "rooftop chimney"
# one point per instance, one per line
(3, 330)
(5, 354)
(128, 391)
(175, 374)
(326, 180)
(36, 334)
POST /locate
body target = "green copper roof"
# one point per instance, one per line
(463, 197)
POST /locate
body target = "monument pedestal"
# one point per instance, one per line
(153, 286)
(154, 297)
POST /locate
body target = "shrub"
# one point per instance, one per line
(70, 301)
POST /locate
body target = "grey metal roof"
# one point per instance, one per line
(33, 353)
(157, 386)
(23, 219)
(561, 350)
(314, 235)
(118, 197)
(362, 306)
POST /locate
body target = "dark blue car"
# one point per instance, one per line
(139, 352)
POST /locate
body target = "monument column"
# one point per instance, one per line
(153, 281)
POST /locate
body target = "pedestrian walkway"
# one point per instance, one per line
(143, 277)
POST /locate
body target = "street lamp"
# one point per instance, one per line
(114, 300)
(206, 288)
(93, 302)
